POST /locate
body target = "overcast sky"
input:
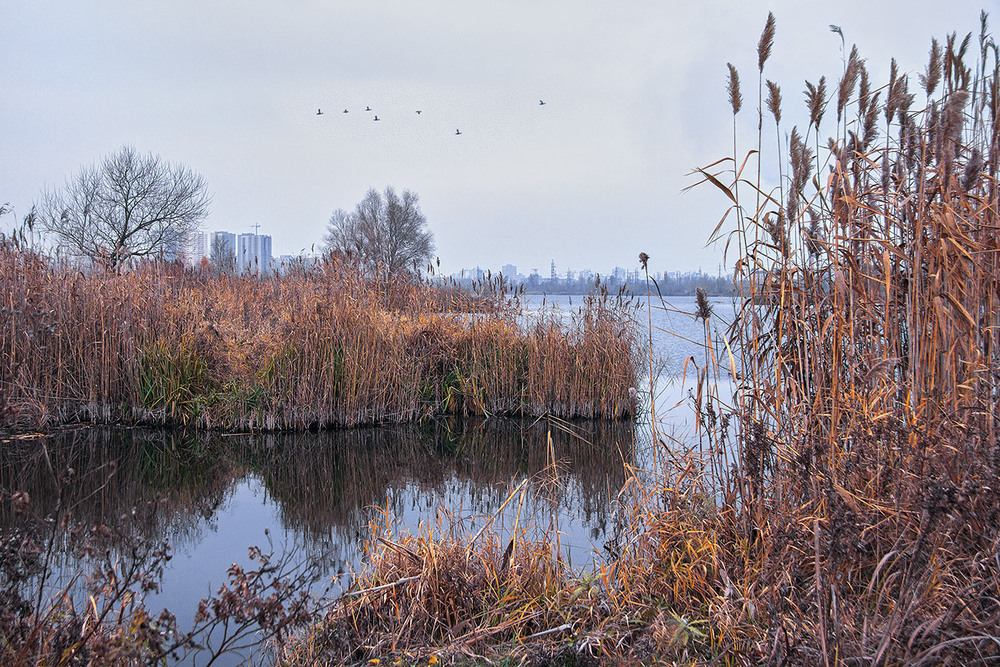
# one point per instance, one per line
(634, 97)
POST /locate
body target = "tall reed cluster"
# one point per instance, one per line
(844, 506)
(315, 348)
(867, 343)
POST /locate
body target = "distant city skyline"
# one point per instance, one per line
(634, 100)
(619, 273)
(200, 244)
(251, 253)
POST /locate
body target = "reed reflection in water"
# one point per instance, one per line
(211, 495)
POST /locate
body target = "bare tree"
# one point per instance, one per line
(129, 205)
(343, 234)
(387, 233)
(221, 255)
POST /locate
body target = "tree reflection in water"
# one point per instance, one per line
(156, 486)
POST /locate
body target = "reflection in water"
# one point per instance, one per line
(324, 482)
(211, 495)
(320, 488)
(96, 476)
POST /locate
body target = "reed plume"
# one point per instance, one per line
(869, 108)
(703, 309)
(816, 101)
(774, 100)
(848, 82)
(766, 42)
(932, 74)
(973, 170)
(733, 88)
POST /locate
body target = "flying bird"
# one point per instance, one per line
(319, 112)
(345, 110)
(418, 112)
(367, 108)
(457, 132)
(541, 102)
(376, 116)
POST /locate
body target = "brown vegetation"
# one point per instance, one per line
(317, 348)
(847, 507)
(844, 509)
(868, 333)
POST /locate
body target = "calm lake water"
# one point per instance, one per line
(212, 495)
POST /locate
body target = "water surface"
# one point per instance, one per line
(314, 496)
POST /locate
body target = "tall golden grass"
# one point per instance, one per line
(868, 338)
(843, 508)
(315, 348)
(847, 508)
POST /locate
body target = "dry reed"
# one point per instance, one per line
(318, 348)
(868, 349)
(850, 514)
(848, 510)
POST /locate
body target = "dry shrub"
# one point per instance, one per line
(440, 593)
(665, 597)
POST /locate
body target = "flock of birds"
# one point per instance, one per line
(319, 112)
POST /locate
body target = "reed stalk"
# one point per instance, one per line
(320, 348)
(860, 524)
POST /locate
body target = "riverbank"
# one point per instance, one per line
(314, 349)
(129, 497)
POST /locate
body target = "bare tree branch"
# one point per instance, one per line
(129, 205)
(386, 233)
(222, 255)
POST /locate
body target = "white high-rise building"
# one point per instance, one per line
(253, 253)
(196, 248)
(228, 241)
(265, 252)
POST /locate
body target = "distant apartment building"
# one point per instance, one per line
(253, 253)
(196, 247)
(225, 239)
(509, 271)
